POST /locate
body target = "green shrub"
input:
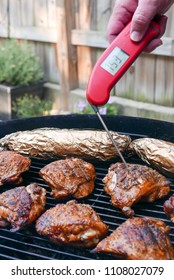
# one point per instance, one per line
(29, 106)
(18, 64)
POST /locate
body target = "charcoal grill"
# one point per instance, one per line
(27, 244)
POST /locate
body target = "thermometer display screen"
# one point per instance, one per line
(114, 60)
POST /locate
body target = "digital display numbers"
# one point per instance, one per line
(114, 60)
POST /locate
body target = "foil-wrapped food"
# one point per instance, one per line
(54, 143)
(158, 153)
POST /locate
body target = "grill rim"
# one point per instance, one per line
(137, 127)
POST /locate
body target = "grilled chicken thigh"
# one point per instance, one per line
(72, 224)
(21, 206)
(71, 177)
(127, 186)
(169, 208)
(139, 239)
(12, 165)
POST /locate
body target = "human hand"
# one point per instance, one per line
(141, 12)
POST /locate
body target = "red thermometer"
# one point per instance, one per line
(114, 62)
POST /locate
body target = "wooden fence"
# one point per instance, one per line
(69, 36)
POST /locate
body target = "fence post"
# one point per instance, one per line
(66, 52)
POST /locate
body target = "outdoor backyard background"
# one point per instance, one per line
(69, 36)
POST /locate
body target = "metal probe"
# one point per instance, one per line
(109, 134)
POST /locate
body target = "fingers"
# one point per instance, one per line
(121, 15)
(162, 21)
(114, 30)
(153, 45)
(145, 12)
(141, 19)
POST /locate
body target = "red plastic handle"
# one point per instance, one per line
(114, 62)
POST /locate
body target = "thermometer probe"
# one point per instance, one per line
(111, 66)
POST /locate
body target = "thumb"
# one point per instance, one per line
(141, 19)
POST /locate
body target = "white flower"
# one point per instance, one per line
(81, 104)
(103, 111)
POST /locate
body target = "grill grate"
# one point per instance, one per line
(27, 244)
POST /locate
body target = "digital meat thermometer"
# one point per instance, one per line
(114, 62)
(111, 66)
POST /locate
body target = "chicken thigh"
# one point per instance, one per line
(71, 177)
(12, 165)
(128, 186)
(139, 239)
(169, 207)
(21, 206)
(72, 224)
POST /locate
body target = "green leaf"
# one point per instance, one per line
(18, 64)
(29, 106)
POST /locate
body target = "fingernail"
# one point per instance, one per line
(136, 36)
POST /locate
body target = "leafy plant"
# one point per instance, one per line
(82, 107)
(29, 106)
(18, 64)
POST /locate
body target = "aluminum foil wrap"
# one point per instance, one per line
(54, 143)
(158, 153)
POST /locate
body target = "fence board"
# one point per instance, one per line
(41, 34)
(170, 23)
(52, 16)
(27, 16)
(40, 13)
(15, 12)
(103, 14)
(144, 78)
(47, 55)
(4, 18)
(98, 39)
(164, 90)
(66, 54)
(125, 86)
(84, 55)
(90, 38)
(52, 74)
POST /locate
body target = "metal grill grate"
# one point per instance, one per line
(27, 244)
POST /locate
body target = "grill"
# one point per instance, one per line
(27, 244)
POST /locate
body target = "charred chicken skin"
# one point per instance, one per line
(12, 165)
(71, 177)
(128, 186)
(72, 224)
(21, 206)
(139, 239)
(169, 208)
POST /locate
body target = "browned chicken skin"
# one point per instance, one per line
(21, 206)
(72, 224)
(139, 239)
(139, 182)
(169, 208)
(71, 177)
(12, 165)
